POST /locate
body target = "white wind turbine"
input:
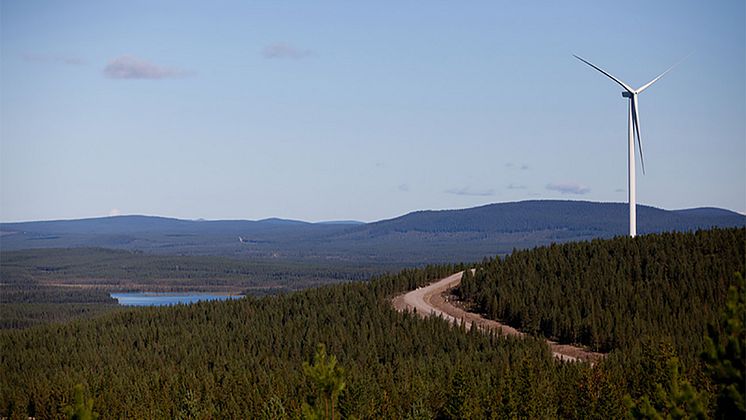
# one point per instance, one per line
(633, 127)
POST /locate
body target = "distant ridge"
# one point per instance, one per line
(278, 221)
(417, 237)
(533, 215)
(341, 222)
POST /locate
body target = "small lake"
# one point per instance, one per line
(164, 299)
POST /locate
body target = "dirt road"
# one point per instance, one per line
(430, 300)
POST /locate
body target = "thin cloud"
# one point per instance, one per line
(516, 165)
(281, 50)
(69, 60)
(516, 187)
(129, 67)
(470, 192)
(620, 190)
(568, 188)
(403, 187)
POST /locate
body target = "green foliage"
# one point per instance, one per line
(674, 398)
(419, 411)
(31, 270)
(25, 315)
(607, 294)
(248, 358)
(725, 354)
(462, 402)
(273, 409)
(35, 285)
(190, 407)
(81, 408)
(328, 380)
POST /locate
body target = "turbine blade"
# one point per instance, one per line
(622, 84)
(636, 122)
(648, 84)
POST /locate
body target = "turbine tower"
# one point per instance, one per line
(633, 127)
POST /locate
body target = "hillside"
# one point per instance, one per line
(415, 238)
(607, 219)
(252, 358)
(606, 294)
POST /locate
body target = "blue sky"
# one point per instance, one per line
(344, 110)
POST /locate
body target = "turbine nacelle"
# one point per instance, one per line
(626, 95)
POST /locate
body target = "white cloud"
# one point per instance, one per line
(129, 67)
(568, 188)
(470, 191)
(517, 165)
(282, 50)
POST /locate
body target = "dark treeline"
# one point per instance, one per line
(23, 306)
(51, 294)
(250, 358)
(25, 315)
(97, 265)
(608, 293)
(26, 305)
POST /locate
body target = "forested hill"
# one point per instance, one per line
(258, 358)
(418, 237)
(608, 219)
(607, 294)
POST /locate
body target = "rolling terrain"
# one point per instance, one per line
(413, 239)
(668, 313)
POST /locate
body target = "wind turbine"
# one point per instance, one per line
(633, 127)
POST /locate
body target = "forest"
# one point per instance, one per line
(606, 294)
(90, 265)
(341, 351)
(52, 285)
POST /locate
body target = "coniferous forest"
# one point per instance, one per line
(606, 294)
(670, 309)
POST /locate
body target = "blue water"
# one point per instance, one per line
(163, 299)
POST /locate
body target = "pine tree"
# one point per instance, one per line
(328, 379)
(675, 399)
(725, 354)
(81, 409)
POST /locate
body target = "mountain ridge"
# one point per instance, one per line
(417, 237)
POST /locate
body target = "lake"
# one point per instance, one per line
(164, 299)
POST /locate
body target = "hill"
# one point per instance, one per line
(258, 358)
(414, 238)
(606, 294)
(608, 219)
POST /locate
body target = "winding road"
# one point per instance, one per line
(431, 301)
